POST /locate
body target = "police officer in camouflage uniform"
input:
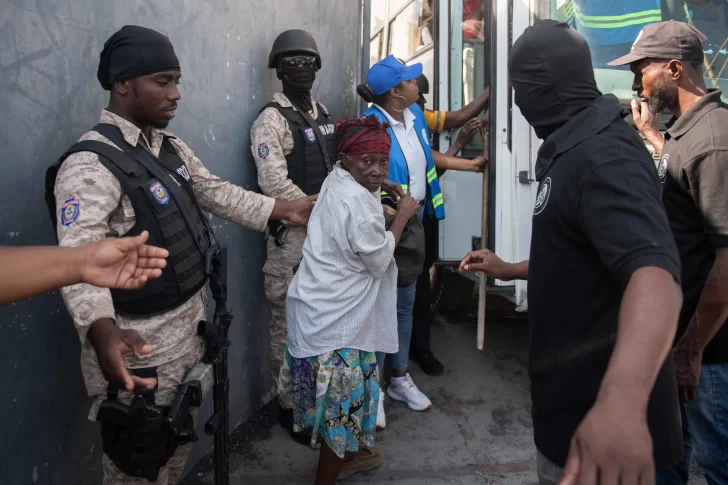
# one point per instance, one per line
(157, 184)
(293, 157)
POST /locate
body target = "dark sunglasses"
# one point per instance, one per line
(292, 62)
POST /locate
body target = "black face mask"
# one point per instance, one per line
(297, 84)
(541, 107)
(552, 69)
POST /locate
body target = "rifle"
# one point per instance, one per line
(216, 354)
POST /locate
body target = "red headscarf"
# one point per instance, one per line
(357, 136)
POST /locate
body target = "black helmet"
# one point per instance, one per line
(294, 41)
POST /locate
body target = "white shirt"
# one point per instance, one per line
(344, 294)
(413, 152)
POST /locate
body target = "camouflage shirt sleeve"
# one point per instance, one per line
(270, 137)
(223, 199)
(86, 194)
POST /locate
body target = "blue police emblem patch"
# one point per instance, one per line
(310, 135)
(159, 192)
(70, 211)
(263, 150)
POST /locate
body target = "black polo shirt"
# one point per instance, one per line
(597, 219)
(694, 169)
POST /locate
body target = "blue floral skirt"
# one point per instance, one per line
(336, 393)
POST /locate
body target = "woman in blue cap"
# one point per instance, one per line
(392, 88)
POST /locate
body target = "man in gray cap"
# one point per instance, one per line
(128, 175)
(666, 60)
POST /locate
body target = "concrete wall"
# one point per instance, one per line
(48, 97)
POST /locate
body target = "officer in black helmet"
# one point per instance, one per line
(293, 147)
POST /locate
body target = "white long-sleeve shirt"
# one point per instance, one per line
(344, 294)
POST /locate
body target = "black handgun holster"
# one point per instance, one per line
(137, 437)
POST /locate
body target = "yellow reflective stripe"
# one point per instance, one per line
(617, 21)
(645, 20)
(605, 18)
(404, 189)
(437, 201)
(432, 175)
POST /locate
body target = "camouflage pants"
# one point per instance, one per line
(276, 288)
(170, 376)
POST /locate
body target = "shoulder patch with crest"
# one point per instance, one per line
(70, 211)
(263, 150)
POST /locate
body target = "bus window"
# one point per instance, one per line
(468, 57)
(379, 16)
(411, 29)
(375, 49)
(611, 27)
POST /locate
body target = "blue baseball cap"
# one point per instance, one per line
(389, 72)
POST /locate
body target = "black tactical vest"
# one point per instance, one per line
(164, 205)
(306, 167)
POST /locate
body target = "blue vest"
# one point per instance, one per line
(609, 22)
(398, 169)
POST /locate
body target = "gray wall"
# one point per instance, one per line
(48, 97)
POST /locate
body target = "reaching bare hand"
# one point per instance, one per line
(301, 210)
(485, 261)
(467, 132)
(111, 345)
(125, 262)
(393, 188)
(407, 207)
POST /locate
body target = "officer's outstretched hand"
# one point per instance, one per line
(111, 344)
(122, 262)
(485, 261)
(300, 210)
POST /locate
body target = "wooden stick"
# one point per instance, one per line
(482, 293)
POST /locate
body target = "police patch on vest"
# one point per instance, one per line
(70, 211)
(310, 135)
(327, 130)
(543, 196)
(159, 192)
(662, 168)
(184, 173)
(263, 150)
(425, 137)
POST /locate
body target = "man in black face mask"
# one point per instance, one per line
(293, 147)
(602, 277)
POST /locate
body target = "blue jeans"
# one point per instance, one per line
(405, 306)
(705, 430)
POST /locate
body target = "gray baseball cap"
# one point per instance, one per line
(665, 40)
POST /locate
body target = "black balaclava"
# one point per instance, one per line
(297, 84)
(135, 51)
(551, 67)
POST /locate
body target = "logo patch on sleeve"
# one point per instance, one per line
(159, 192)
(70, 211)
(310, 135)
(263, 151)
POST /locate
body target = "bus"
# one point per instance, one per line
(464, 47)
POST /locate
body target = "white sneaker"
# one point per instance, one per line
(381, 420)
(404, 389)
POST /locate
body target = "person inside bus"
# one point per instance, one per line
(441, 121)
(603, 277)
(437, 121)
(342, 304)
